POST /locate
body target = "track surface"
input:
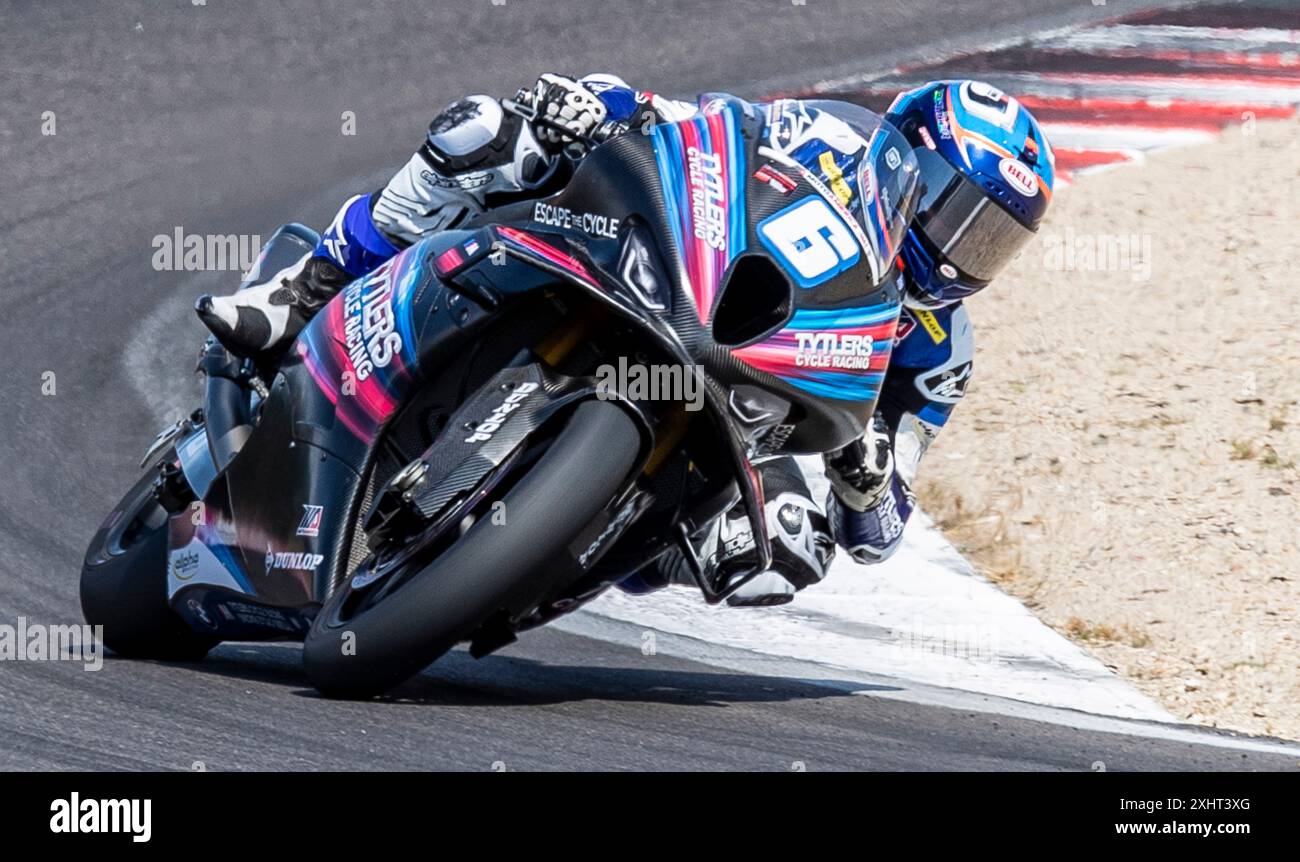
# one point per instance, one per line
(225, 119)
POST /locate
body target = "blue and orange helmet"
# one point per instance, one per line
(986, 175)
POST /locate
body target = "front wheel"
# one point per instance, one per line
(358, 648)
(124, 583)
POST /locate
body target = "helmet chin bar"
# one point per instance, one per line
(918, 299)
(920, 268)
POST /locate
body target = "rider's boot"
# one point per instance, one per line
(802, 547)
(265, 319)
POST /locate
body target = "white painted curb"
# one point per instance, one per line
(924, 616)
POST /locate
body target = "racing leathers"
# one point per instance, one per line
(477, 155)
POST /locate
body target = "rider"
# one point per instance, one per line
(986, 175)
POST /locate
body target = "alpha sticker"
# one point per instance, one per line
(194, 563)
(185, 565)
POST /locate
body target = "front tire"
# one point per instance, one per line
(124, 583)
(487, 570)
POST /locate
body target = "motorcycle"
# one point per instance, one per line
(442, 456)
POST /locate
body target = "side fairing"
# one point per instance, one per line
(837, 354)
(361, 349)
(275, 527)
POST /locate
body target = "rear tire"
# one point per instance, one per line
(124, 583)
(489, 569)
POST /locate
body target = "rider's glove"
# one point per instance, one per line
(861, 472)
(565, 103)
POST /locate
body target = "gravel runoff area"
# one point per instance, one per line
(1125, 461)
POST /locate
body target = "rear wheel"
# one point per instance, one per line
(124, 583)
(367, 640)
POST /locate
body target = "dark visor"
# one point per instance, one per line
(962, 222)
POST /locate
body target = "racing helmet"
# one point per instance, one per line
(986, 175)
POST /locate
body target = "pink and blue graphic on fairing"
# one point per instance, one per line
(544, 251)
(360, 350)
(702, 172)
(841, 354)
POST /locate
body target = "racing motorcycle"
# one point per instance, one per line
(438, 459)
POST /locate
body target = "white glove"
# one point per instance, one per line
(566, 103)
(861, 472)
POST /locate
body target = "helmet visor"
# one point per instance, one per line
(964, 225)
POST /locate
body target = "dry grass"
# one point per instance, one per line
(1106, 633)
(1270, 458)
(981, 534)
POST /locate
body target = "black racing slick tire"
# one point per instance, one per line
(489, 569)
(124, 583)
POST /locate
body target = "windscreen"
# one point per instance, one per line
(886, 179)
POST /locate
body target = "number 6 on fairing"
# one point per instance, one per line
(811, 241)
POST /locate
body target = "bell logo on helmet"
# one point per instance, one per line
(1021, 178)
